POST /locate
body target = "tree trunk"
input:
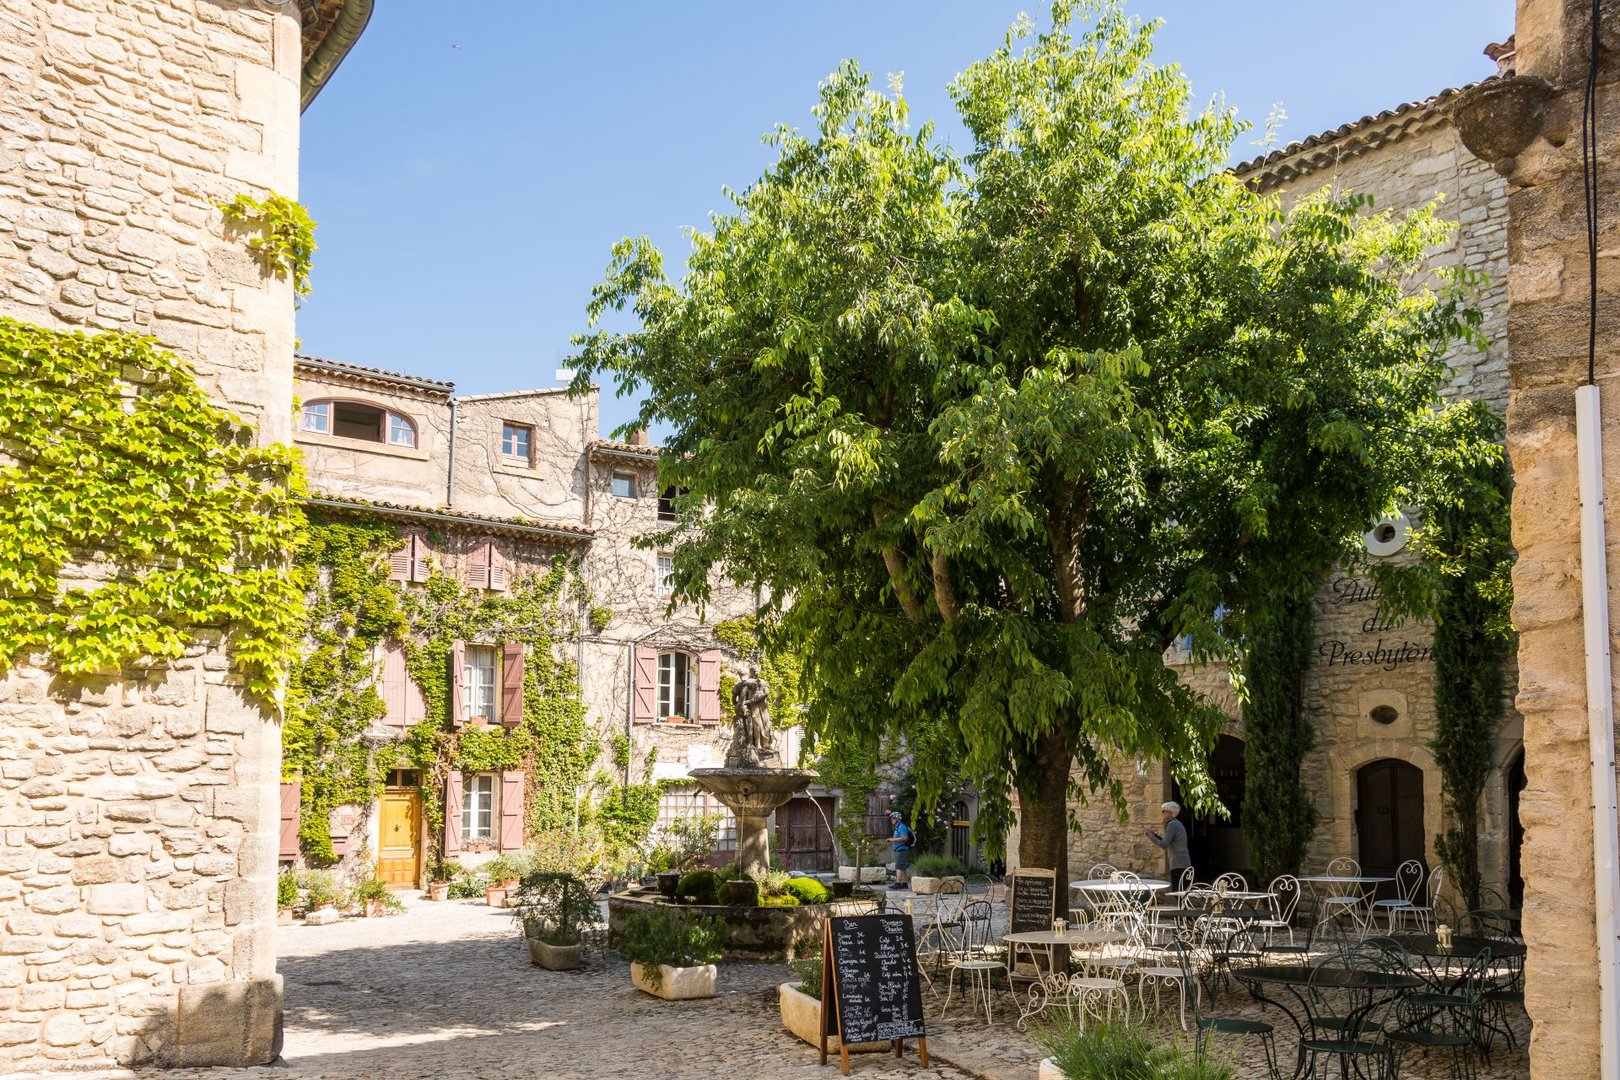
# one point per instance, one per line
(1043, 811)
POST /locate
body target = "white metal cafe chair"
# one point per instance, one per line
(1284, 898)
(1348, 902)
(978, 955)
(1403, 905)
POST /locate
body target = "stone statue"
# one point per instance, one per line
(753, 736)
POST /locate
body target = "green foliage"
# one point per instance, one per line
(763, 642)
(694, 837)
(807, 890)
(553, 907)
(286, 887)
(503, 868)
(808, 969)
(700, 886)
(663, 936)
(599, 619)
(778, 900)
(319, 888)
(1278, 812)
(1004, 425)
(469, 887)
(372, 888)
(937, 866)
(137, 513)
(1117, 1050)
(626, 815)
(854, 766)
(284, 235)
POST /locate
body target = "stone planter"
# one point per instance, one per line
(321, 916)
(801, 1014)
(924, 886)
(842, 890)
(554, 957)
(284, 917)
(495, 896)
(668, 882)
(679, 984)
(868, 873)
(1050, 1070)
(438, 890)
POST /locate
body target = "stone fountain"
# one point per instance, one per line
(752, 784)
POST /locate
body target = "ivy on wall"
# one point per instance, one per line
(779, 665)
(137, 512)
(1278, 814)
(283, 235)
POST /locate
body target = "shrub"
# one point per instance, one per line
(286, 888)
(807, 890)
(937, 866)
(468, 885)
(503, 868)
(319, 888)
(782, 900)
(553, 907)
(699, 885)
(1122, 1051)
(662, 858)
(808, 969)
(663, 936)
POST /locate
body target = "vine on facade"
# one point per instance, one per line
(137, 512)
(283, 235)
(1278, 814)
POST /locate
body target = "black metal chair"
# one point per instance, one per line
(1348, 1020)
(1444, 1021)
(1205, 1026)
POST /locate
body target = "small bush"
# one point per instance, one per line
(286, 888)
(469, 885)
(661, 936)
(319, 888)
(807, 890)
(1122, 1051)
(370, 888)
(701, 886)
(784, 900)
(554, 907)
(937, 866)
(808, 969)
(503, 868)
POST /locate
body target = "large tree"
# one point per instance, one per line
(1002, 426)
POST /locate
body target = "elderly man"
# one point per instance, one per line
(1173, 840)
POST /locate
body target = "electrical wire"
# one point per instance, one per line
(1589, 179)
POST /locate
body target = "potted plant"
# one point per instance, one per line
(439, 872)
(553, 909)
(1106, 1051)
(671, 954)
(927, 871)
(286, 895)
(320, 896)
(374, 898)
(504, 873)
(801, 1005)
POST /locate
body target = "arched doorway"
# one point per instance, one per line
(1217, 845)
(1515, 831)
(1389, 816)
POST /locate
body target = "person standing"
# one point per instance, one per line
(1173, 840)
(902, 840)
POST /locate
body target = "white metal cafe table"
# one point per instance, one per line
(1053, 987)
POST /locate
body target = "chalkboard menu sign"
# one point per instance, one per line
(871, 990)
(1033, 906)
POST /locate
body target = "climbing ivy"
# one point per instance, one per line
(136, 512)
(1278, 814)
(284, 235)
(779, 665)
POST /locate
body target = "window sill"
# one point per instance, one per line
(515, 467)
(315, 438)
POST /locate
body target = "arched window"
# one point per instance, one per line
(358, 420)
(677, 686)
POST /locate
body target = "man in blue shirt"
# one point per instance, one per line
(902, 840)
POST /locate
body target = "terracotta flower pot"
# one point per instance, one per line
(438, 890)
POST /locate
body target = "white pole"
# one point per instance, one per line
(1600, 722)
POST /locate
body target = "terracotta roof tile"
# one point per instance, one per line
(374, 374)
(515, 526)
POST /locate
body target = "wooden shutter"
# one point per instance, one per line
(512, 810)
(290, 793)
(458, 683)
(644, 691)
(415, 703)
(877, 815)
(499, 571)
(478, 566)
(708, 695)
(420, 565)
(392, 684)
(512, 684)
(452, 814)
(399, 563)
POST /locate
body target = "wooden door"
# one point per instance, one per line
(1389, 816)
(802, 838)
(399, 841)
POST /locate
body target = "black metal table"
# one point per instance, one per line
(1438, 961)
(1378, 986)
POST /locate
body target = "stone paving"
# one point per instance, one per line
(447, 990)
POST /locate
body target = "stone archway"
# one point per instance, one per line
(1217, 844)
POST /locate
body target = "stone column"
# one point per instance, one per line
(1528, 126)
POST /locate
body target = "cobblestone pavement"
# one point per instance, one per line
(447, 990)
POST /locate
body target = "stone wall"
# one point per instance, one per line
(1529, 129)
(139, 812)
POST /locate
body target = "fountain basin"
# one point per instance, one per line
(752, 793)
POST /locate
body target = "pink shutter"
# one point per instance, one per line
(452, 814)
(421, 567)
(512, 684)
(499, 570)
(512, 810)
(458, 683)
(478, 567)
(399, 563)
(289, 819)
(415, 703)
(708, 695)
(392, 684)
(644, 695)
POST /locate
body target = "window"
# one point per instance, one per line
(517, 442)
(624, 486)
(676, 804)
(478, 676)
(666, 503)
(677, 686)
(404, 778)
(666, 575)
(357, 420)
(478, 808)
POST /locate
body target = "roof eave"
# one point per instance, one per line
(333, 47)
(497, 526)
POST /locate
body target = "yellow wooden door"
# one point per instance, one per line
(397, 848)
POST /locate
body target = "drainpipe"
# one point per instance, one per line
(450, 467)
(1600, 721)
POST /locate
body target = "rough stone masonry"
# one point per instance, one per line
(138, 814)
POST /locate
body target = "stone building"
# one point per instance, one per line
(139, 811)
(1369, 692)
(486, 488)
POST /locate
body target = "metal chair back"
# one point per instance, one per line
(1437, 880)
(1284, 891)
(1344, 866)
(1409, 880)
(1231, 883)
(1100, 871)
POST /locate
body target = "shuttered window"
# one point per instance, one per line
(487, 567)
(478, 808)
(411, 562)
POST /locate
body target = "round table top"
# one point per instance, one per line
(1344, 879)
(1341, 978)
(1067, 937)
(1109, 885)
(1210, 894)
(1463, 945)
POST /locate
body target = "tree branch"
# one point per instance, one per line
(944, 595)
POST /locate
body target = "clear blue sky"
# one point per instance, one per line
(470, 164)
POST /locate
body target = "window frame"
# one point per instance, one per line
(471, 654)
(666, 504)
(470, 813)
(528, 431)
(390, 422)
(664, 573)
(630, 482)
(670, 680)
